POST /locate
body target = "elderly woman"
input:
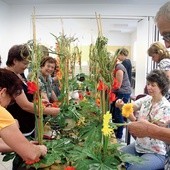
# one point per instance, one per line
(48, 65)
(11, 137)
(154, 108)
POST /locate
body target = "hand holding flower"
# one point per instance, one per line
(127, 111)
(119, 103)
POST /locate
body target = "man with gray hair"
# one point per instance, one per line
(143, 128)
(162, 20)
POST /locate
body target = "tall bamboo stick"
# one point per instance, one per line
(37, 96)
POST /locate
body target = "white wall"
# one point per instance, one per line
(5, 35)
(20, 29)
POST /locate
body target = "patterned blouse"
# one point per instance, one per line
(164, 64)
(167, 163)
(46, 85)
(157, 112)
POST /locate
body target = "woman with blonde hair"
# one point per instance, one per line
(160, 55)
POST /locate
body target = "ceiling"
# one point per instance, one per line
(141, 2)
(115, 25)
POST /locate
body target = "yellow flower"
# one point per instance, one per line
(107, 117)
(107, 131)
(127, 109)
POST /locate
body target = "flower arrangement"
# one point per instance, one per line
(84, 127)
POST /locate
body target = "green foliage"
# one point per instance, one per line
(57, 151)
(8, 156)
(90, 157)
(80, 143)
(91, 132)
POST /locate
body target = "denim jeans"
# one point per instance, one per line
(152, 161)
(117, 113)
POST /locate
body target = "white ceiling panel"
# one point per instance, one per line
(139, 2)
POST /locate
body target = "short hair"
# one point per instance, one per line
(18, 52)
(11, 82)
(158, 48)
(122, 51)
(164, 10)
(48, 59)
(159, 77)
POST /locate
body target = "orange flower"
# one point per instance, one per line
(98, 102)
(70, 168)
(32, 87)
(59, 75)
(127, 109)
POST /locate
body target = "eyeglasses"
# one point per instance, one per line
(166, 37)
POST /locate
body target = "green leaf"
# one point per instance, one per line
(8, 156)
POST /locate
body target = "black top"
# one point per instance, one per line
(127, 64)
(26, 120)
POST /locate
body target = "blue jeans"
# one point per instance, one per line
(117, 113)
(152, 161)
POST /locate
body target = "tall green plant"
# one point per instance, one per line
(36, 55)
(64, 53)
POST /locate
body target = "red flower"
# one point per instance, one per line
(70, 168)
(32, 87)
(32, 162)
(116, 84)
(54, 104)
(101, 86)
(81, 96)
(112, 97)
(88, 93)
